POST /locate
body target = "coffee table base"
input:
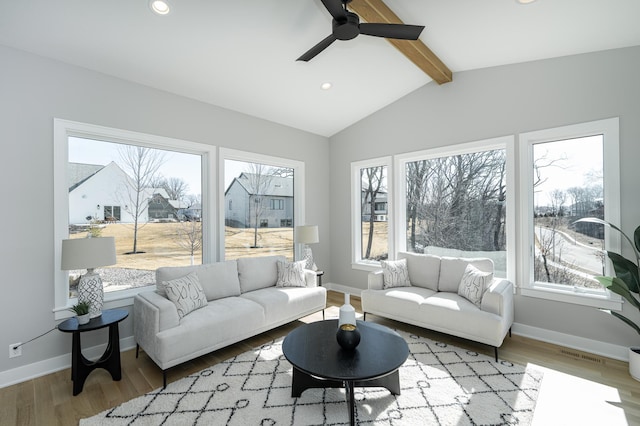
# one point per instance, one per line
(302, 381)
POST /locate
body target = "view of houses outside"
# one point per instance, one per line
(148, 199)
(568, 185)
(259, 207)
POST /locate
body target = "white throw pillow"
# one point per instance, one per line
(473, 284)
(186, 293)
(395, 273)
(291, 274)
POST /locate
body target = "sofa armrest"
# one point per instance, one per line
(498, 299)
(310, 278)
(156, 312)
(375, 280)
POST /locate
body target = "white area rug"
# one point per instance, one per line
(440, 385)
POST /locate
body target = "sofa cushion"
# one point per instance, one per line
(186, 293)
(283, 303)
(424, 269)
(255, 273)
(222, 322)
(452, 268)
(473, 284)
(395, 273)
(403, 301)
(290, 274)
(218, 279)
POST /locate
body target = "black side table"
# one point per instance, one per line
(110, 360)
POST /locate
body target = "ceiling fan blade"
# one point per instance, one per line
(311, 53)
(398, 31)
(335, 9)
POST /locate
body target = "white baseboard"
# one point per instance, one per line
(343, 289)
(596, 347)
(51, 365)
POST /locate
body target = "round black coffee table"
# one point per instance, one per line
(319, 362)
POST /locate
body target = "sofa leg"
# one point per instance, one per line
(164, 379)
(495, 350)
(364, 316)
(509, 331)
(323, 315)
(137, 350)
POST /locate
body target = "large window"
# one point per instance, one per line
(455, 202)
(262, 199)
(146, 191)
(371, 216)
(571, 173)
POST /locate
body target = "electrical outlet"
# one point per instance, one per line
(15, 352)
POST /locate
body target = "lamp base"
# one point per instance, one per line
(307, 255)
(90, 290)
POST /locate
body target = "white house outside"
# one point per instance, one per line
(274, 204)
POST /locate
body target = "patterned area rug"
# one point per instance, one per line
(440, 385)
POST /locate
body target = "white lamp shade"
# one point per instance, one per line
(88, 253)
(307, 234)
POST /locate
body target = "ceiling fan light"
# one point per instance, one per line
(161, 7)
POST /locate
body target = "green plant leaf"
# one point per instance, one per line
(626, 270)
(636, 238)
(617, 286)
(627, 321)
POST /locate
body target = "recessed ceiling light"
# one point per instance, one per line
(525, 1)
(161, 7)
(326, 86)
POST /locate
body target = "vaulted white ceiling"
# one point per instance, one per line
(240, 54)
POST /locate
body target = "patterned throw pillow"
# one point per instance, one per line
(186, 293)
(291, 274)
(473, 284)
(395, 273)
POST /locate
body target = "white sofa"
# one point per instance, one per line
(242, 301)
(432, 300)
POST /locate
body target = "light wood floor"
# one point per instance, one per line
(577, 389)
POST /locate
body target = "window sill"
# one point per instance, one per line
(116, 299)
(366, 266)
(575, 297)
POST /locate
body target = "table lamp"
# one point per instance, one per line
(89, 253)
(307, 234)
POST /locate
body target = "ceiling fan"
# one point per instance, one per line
(346, 26)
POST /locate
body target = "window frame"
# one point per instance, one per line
(252, 157)
(356, 213)
(505, 142)
(609, 129)
(62, 130)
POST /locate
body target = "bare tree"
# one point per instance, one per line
(418, 173)
(457, 201)
(258, 178)
(192, 200)
(176, 188)
(189, 236)
(373, 179)
(142, 165)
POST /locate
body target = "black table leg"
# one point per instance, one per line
(351, 401)
(110, 360)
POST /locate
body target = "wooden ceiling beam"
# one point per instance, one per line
(415, 50)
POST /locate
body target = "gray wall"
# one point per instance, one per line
(34, 90)
(494, 102)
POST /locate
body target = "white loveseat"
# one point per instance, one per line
(432, 300)
(242, 301)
